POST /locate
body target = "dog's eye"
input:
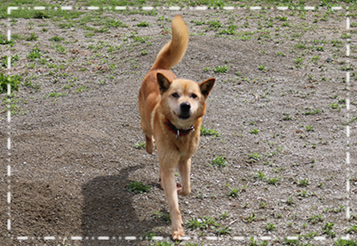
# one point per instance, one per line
(175, 95)
(194, 96)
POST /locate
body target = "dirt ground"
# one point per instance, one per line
(280, 108)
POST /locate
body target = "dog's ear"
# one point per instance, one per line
(164, 83)
(206, 86)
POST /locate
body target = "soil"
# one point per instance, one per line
(72, 155)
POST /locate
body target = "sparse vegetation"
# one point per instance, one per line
(138, 187)
(279, 97)
(219, 161)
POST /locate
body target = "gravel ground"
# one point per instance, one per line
(279, 105)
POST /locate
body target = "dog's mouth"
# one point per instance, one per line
(183, 116)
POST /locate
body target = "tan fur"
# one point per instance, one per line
(161, 97)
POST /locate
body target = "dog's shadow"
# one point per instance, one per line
(108, 209)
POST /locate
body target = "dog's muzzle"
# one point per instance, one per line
(185, 111)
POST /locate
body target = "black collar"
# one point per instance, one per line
(178, 132)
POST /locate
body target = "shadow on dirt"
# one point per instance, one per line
(108, 210)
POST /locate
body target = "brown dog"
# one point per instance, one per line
(171, 111)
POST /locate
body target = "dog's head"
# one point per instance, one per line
(183, 101)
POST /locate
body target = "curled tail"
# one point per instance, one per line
(171, 54)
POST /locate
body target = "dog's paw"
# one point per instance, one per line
(182, 191)
(176, 235)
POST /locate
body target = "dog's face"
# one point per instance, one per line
(183, 101)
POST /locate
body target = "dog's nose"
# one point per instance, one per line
(185, 107)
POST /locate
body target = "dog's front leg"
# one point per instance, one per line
(185, 170)
(169, 185)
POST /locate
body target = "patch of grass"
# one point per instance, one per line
(115, 23)
(335, 106)
(303, 182)
(60, 49)
(315, 219)
(303, 193)
(313, 112)
(254, 157)
(56, 39)
(234, 192)
(162, 216)
(344, 242)
(270, 227)
(140, 145)
(298, 61)
(328, 229)
(4, 62)
(139, 39)
(143, 24)
(320, 48)
(14, 82)
(290, 201)
(138, 187)
(287, 117)
(32, 37)
(221, 69)
(251, 217)
(203, 223)
(207, 223)
(281, 18)
(215, 24)
(300, 46)
(309, 128)
(209, 132)
(260, 176)
(40, 15)
(219, 161)
(149, 235)
(280, 54)
(272, 181)
(352, 229)
(223, 230)
(4, 40)
(262, 68)
(231, 30)
(56, 94)
(336, 210)
(34, 54)
(254, 131)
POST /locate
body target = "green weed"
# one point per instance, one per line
(162, 216)
(313, 112)
(140, 145)
(209, 132)
(270, 227)
(315, 219)
(234, 192)
(251, 217)
(32, 37)
(138, 187)
(56, 39)
(328, 229)
(221, 69)
(14, 82)
(143, 24)
(35, 53)
(254, 131)
(219, 161)
(254, 157)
